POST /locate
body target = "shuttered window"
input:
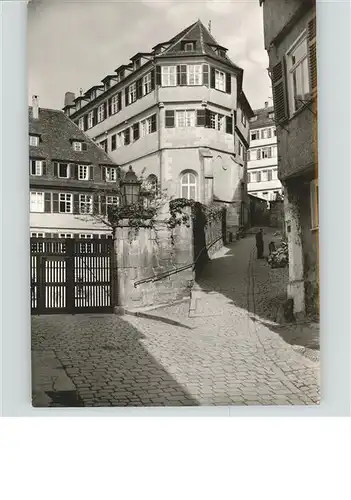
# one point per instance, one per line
(279, 91)
(229, 124)
(169, 122)
(312, 54)
(298, 77)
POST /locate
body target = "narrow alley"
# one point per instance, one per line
(225, 348)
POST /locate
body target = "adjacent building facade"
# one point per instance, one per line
(179, 116)
(72, 180)
(262, 160)
(290, 40)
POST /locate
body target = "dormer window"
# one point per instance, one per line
(137, 63)
(34, 140)
(221, 52)
(93, 95)
(79, 146)
(188, 46)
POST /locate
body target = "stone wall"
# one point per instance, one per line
(150, 251)
(276, 214)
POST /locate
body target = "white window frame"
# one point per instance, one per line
(243, 118)
(101, 113)
(274, 174)
(111, 174)
(112, 201)
(188, 185)
(132, 95)
(314, 202)
(83, 236)
(194, 74)
(77, 146)
(38, 167)
(292, 68)
(147, 83)
(81, 123)
(67, 199)
(264, 175)
(37, 201)
(85, 204)
(266, 153)
(257, 132)
(34, 140)
(83, 172)
(65, 235)
(169, 76)
(114, 104)
(90, 119)
(219, 80)
(68, 171)
(188, 46)
(36, 235)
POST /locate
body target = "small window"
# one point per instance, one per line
(66, 235)
(255, 135)
(253, 118)
(188, 46)
(169, 76)
(111, 201)
(65, 203)
(85, 204)
(34, 140)
(86, 236)
(111, 174)
(81, 123)
(188, 186)
(36, 167)
(219, 80)
(90, 119)
(37, 235)
(147, 84)
(83, 172)
(77, 146)
(132, 93)
(63, 171)
(137, 63)
(194, 74)
(151, 183)
(101, 113)
(243, 118)
(36, 202)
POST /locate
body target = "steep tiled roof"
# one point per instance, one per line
(263, 118)
(56, 132)
(205, 44)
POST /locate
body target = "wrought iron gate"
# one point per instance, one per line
(70, 276)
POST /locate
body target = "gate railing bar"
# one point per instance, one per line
(165, 274)
(92, 273)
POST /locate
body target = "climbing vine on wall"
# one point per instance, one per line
(136, 215)
(178, 217)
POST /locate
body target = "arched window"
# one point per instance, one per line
(188, 186)
(152, 183)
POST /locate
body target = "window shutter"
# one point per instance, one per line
(312, 53)
(126, 96)
(76, 203)
(158, 75)
(258, 154)
(200, 118)
(178, 75)
(279, 91)
(169, 118)
(109, 107)
(269, 175)
(44, 168)
(74, 171)
(91, 173)
(127, 136)
(229, 125)
(136, 133)
(207, 118)
(228, 83)
(105, 110)
(183, 74)
(152, 79)
(258, 176)
(47, 202)
(153, 123)
(56, 169)
(213, 78)
(103, 173)
(205, 74)
(119, 101)
(113, 142)
(95, 204)
(55, 202)
(95, 113)
(103, 205)
(139, 88)
(85, 120)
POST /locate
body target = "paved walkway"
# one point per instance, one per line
(227, 351)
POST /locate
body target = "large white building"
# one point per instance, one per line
(262, 161)
(179, 116)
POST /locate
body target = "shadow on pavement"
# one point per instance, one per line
(162, 319)
(106, 360)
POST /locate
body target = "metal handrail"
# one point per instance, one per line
(165, 274)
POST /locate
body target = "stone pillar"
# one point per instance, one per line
(296, 286)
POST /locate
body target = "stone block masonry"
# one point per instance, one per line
(148, 251)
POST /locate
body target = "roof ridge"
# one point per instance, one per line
(202, 38)
(47, 109)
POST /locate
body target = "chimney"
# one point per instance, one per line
(69, 98)
(266, 104)
(35, 107)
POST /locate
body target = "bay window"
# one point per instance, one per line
(36, 201)
(219, 80)
(168, 76)
(194, 74)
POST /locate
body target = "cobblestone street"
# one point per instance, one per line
(225, 349)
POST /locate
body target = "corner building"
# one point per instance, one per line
(179, 116)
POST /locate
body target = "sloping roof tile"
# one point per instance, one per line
(57, 131)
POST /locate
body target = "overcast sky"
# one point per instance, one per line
(73, 45)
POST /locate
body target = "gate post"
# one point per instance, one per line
(70, 282)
